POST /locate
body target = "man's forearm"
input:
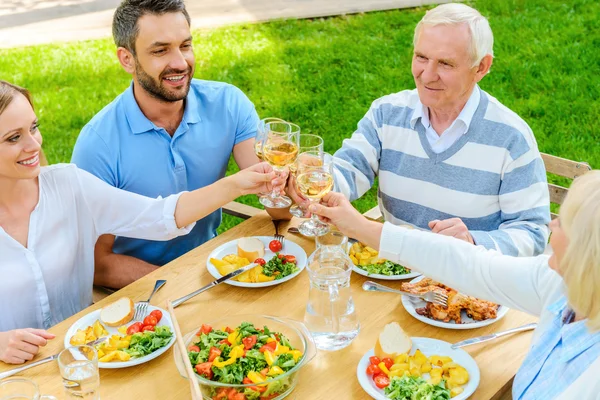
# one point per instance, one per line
(118, 270)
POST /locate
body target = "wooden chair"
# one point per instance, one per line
(558, 166)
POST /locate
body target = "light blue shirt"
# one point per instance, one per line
(125, 149)
(558, 358)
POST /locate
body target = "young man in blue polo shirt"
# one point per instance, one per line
(165, 134)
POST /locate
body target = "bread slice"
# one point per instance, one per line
(250, 248)
(392, 341)
(118, 313)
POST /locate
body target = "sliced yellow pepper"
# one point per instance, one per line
(233, 337)
(237, 351)
(269, 340)
(296, 354)
(383, 368)
(220, 364)
(269, 358)
(275, 371)
(280, 349)
(255, 377)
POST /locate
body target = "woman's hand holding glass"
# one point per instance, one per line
(314, 179)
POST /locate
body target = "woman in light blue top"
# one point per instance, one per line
(51, 217)
(563, 290)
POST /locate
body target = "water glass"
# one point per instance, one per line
(21, 389)
(79, 370)
(333, 238)
(330, 313)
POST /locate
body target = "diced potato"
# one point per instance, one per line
(426, 367)
(439, 360)
(402, 358)
(436, 376)
(456, 391)
(363, 262)
(108, 357)
(419, 357)
(459, 375)
(415, 371)
(398, 372)
(218, 263)
(371, 250)
(123, 330)
(449, 365)
(227, 269)
(98, 330)
(100, 354)
(122, 356)
(263, 278)
(78, 338)
(354, 260)
(403, 366)
(364, 256)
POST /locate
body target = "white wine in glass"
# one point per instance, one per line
(258, 150)
(309, 144)
(280, 153)
(315, 184)
(314, 180)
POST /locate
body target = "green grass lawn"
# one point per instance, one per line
(323, 74)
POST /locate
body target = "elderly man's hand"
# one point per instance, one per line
(452, 227)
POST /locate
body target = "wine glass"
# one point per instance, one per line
(280, 149)
(261, 133)
(314, 179)
(308, 143)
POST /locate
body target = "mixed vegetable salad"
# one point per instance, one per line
(244, 355)
(385, 268)
(416, 388)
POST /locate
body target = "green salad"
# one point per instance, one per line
(367, 259)
(280, 266)
(386, 268)
(144, 343)
(244, 355)
(416, 388)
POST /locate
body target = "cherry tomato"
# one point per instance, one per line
(388, 362)
(234, 395)
(205, 370)
(157, 314)
(148, 328)
(290, 258)
(135, 328)
(228, 329)
(280, 256)
(246, 381)
(264, 371)
(269, 346)
(374, 360)
(150, 320)
(373, 370)
(381, 381)
(259, 389)
(193, 348)
(260, 261)
(213, 353)
(249, 342)
(275, 246)
(225, 341)
(206, 329)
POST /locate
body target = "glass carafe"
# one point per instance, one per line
(330, 315)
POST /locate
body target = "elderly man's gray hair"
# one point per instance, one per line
(482, 38)
(125, 21)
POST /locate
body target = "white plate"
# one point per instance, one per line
(89, 319)
(428, 347)
(411, 304)
(385, 277)
(289, 247)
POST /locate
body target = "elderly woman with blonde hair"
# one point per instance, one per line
(562, 289)
(51, 217)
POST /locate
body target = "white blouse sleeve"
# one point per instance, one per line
(521, 283)
(128, 214)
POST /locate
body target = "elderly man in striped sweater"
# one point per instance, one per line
(449, 156)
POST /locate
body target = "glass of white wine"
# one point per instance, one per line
(309, 144)
(280, 149)
(261, 133)
(314, 180)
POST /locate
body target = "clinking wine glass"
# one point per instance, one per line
(280, 149)
(308, 144)
(314, 180)
(261, 133)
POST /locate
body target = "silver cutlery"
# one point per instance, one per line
(277, 236)
(485, 338)
(53, 357)
(431, 296)
(214, 283)
(142, 307)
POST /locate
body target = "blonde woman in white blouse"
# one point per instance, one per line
(563, 289)
(51, 217)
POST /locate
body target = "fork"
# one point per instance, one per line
(277, 236)
(431, 296)
(142, 306)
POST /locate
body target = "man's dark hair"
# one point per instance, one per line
(125, 21)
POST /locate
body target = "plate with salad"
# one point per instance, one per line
(127, 344)
(275, 263)
(366, 262)
(244, 362)
(432, 370)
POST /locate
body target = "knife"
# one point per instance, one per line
(45, 360)
(215, 283)
(493, 336)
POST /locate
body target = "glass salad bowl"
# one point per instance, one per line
(273, 384)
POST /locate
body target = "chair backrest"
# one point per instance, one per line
(565, 168)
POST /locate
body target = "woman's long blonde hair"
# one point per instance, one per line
(580, 220)
(7, 94)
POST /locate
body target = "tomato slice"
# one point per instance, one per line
(150, 320)
(157, 314)
(264, 372)
(205, 370)
(148, 328)
(246, 381)
(275, 246)
(249, 342)
(213, 353)
(269, 346)
(388, 362)
(135, 328)
(289, 258)
(194, 349)
(228, 329)
(260, 261)
(381, 380)
(373, 370)
(225, 341)
(259, 389)
(206, 329)
(374, 360)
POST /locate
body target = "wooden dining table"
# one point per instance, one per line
(330, 375)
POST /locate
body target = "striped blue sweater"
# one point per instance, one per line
(493, 177)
